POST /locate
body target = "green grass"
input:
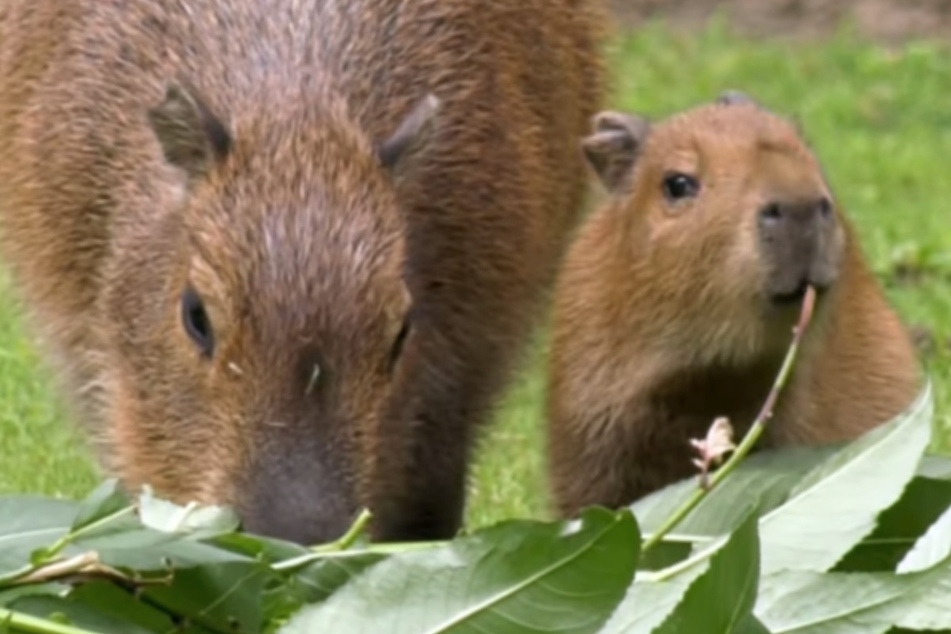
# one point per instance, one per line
(880, 120)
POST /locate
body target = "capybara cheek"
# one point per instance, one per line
(132, 458)
(161, 456)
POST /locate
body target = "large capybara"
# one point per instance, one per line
(287, 253)
(677, 303)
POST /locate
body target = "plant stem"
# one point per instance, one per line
(72, 536)
(752, 435)
(19, 622)
(348, 539)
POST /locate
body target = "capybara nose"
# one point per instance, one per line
(303, 519)
(795, 216)
(798, 237)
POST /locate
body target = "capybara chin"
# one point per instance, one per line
(286, 253)
(677, 301)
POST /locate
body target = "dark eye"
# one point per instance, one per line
(677, 186)
(398, 343)
(196, 322)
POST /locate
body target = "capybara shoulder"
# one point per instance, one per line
(287, 253)
(677, 301)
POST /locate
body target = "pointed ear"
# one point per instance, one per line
(191, 136)
(614, 146)
(412, 134)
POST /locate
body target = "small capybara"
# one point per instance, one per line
(677, 302)
(286, 253)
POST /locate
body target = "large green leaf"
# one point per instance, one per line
(855, 603)
(104, 607)
(714, 596)
(28, 523)
(752, 625)
(224, 597)
(9, 595)
(105, 501)
(648, 603)
(836, 505)
(899, 527)
(933, 547)
(515, 577)
(935, 466)
(81, 615)
(765, 478)
(149, 550)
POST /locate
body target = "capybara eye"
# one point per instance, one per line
(677, 186)
(397, 348)
(825, 208)
(196, 322)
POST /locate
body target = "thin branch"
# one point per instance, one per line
(350, 537)
(28, 624)
(755, 430)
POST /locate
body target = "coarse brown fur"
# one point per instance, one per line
(221, 215)
(672, 311)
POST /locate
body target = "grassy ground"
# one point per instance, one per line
(880, 120)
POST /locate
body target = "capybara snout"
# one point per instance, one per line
(802, 245)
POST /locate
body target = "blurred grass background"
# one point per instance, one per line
(880, 119)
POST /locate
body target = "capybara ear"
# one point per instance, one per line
(412, 133)
(191, 136)
(735, 97)
(614, 146)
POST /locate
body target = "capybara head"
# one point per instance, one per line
(258, 318)
(728, 202)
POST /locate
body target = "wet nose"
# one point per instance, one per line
(297, 491)
(794, 217)
(798, 240)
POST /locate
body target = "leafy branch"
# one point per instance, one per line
(752, 435)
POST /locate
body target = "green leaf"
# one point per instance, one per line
(257, 547)
(899, 527)
(648, 603)
(116, 603)
(861, 603)
(224, 597)
(715, 595)
(515, 577)
(666, 553)
(148, 550)
(933, 547)
(27, 524)
(752, 625)
(935, 466)
(23, 623)
(83, 615)
(8, 596)
(766, 477)
(324, 577)
(106, 500)
(836, 505)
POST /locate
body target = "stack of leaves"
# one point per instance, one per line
(851, 539)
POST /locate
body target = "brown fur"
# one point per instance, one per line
(300, 176)
(663, 320)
